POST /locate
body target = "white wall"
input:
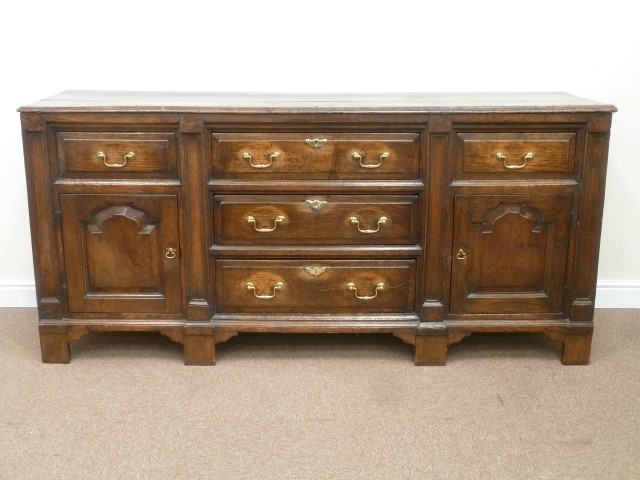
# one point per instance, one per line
(588, 48)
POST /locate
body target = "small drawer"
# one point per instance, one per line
(309, 156)
(316, 219)
(121, 154)
(315, 286)
(548, 154)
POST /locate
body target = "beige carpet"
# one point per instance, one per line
(320, 407)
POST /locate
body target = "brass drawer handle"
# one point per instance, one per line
(352, 288)
(461, 255)
(251, 220)
(316, 142)
(102, 156)
(356, 222)
(503, 158)
(170, 253)
(252, 288)
(249, 158)
(359, 158)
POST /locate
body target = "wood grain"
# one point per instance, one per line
(153, 153)
(328, 223)
(276, 155)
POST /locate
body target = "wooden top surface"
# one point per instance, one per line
(114, 101)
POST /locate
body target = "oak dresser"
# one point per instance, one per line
(427, 216)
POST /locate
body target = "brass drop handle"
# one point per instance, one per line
(251, 220)
(247, 156)
(503, 158)
(252, 288)
(316, 142)
(359, 158)
(356, 222)
(352, 288)
(461, 254)
(170, 253)
(103, 156)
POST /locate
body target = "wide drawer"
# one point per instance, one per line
(316, 219)
(513, 154)
(309, 156)
(120, 154)
(315, 286)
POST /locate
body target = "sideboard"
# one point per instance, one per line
(425, 216)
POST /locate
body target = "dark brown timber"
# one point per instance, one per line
(427, 216)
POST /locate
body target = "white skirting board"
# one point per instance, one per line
(618, 294)
(610, 294)
(17, 296)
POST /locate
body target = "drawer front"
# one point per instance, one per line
(332, 219)
(315, 286)
(121, 154)
(375, 156)
(508, 155)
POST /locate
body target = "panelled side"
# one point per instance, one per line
(42, 218)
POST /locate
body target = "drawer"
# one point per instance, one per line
(506, 155)
(316, 219)
(315, 286)
(120, 154)
(310, 156)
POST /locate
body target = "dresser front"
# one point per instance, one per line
(201, 222)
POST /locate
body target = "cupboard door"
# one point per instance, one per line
(510, 253)
(121, 253)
